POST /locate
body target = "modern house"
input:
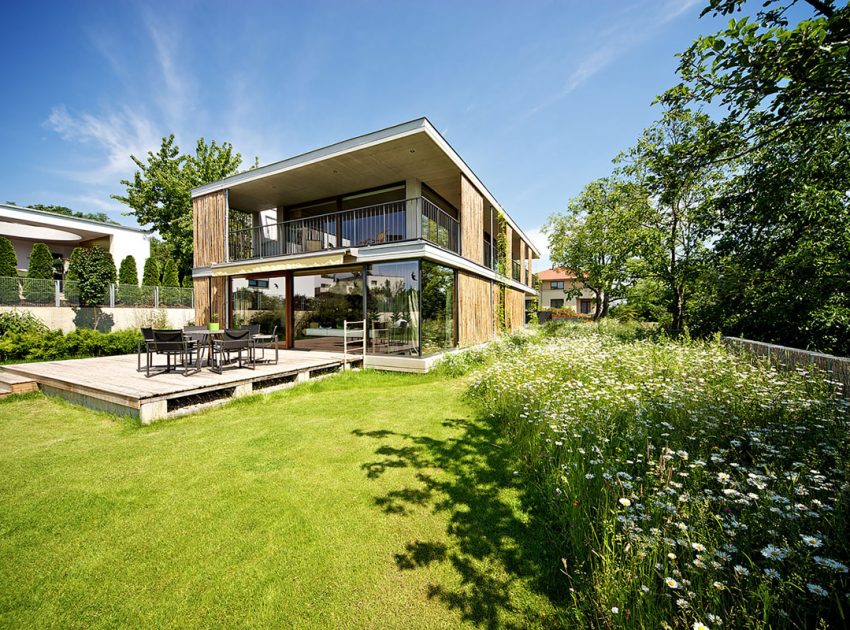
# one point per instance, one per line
(26, 226)
(559, 288)
(391, 228)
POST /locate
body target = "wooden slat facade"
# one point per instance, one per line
(209, 223)
(210, 298)
(514, 309)
(529, 274)
(471, 222)
(475, 309)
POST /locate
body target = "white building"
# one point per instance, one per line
(25, 226)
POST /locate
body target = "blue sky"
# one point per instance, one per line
(538, 97)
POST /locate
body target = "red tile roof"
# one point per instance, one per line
(557, 273)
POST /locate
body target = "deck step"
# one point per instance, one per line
(15, 384)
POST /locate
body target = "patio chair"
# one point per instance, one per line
(264, 342)
(172, 344)
(198, 343)
(147, 336)
(254, 329)
(233, 341)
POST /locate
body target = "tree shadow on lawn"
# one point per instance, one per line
(495, 547)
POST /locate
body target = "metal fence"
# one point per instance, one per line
(39, 292)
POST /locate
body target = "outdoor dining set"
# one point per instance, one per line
(194, 347)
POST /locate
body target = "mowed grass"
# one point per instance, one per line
(362, 500)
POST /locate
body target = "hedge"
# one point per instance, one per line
(53, 345)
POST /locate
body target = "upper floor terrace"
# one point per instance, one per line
(399, 186)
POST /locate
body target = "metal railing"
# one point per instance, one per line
(345, 325)
(410, 219)
(41, 292)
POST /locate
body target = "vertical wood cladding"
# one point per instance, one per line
(475, 309)
(514, 309)
(471, 222)
(209, 225)
(529, 274)
(210, 298)
(202, 300)
(509, 250)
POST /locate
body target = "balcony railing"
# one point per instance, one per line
(391, 222)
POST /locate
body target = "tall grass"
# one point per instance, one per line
(683, 486)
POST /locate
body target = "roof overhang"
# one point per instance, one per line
(411, 149)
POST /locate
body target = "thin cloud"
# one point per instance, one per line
(116, 134)
(612, 43)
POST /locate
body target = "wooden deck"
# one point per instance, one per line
(114, 385)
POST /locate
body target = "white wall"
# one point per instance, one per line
(62, 318)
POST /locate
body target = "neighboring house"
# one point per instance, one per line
(61, 233)
(554, 286)
(391, 228)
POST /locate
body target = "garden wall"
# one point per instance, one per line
(105, 319)
(837, 367)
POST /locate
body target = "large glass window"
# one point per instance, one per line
(321, 304)
(438, 301)
(393, 308)
(259, 301)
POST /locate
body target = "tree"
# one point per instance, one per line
(128, 274)
(170, 277)
(598, 236)
(38, 286)
(669, 163)
(150, 274)
(128, 281)
(767, 76)
(91, 216)
(8, 259)
(159, 194)
(95, 271)
(74, 264)
(9, 285)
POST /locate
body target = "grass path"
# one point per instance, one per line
(363, 500)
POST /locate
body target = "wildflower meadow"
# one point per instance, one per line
(682, 485)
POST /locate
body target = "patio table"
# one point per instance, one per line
(209, 337)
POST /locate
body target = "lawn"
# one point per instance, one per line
(362, 500)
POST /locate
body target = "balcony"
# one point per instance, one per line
(393, 222)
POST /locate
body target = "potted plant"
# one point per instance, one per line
(213, 324)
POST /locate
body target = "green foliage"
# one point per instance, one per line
(187, 282)
(769, 73)
(159, 194)
(170, 277)
(91, 216)
(9, 285)
(598, 237)
(33, 343)
(150, 275)
(41, 262)
(128, 274)
(680, 483)
(38, 285)
(20, 322)
(95, 271)
(74, 264)
(8, 259)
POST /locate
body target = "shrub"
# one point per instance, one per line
(52, 345)
(150, 275)
(8, 260)
(128, 282)
(9, 284)
(20, 322)
(95, 271)
(38, 286)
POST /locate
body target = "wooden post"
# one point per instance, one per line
(289, 281)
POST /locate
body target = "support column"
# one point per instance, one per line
(412, 192)
(289, 281)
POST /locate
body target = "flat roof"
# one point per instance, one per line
(417, 126)
(44, 214)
